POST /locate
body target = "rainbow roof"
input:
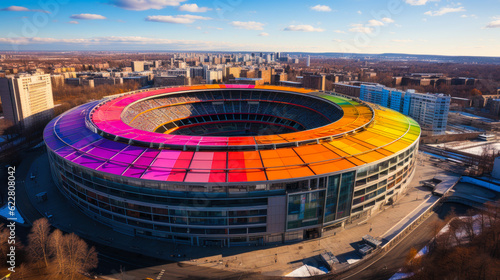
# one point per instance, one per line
(94, 136)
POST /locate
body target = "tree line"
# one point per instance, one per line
(71, 96)
(48, 254)
(468, 249)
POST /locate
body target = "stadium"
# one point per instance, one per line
(228, 165)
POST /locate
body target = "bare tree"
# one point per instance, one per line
(56, 246)
(39, 241)
(78, 257)
(468, 223)
(477, 256)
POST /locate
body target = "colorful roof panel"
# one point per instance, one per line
(363, 135)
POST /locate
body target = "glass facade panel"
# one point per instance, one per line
(345, 195)
(305, 209)
(331, 198)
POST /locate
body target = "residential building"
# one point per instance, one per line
(314, 81)
(233, 72)
(181, 80)
(27, 99)
(429, 110)
(213, 76)
(137, 66)
(349, 89)
(197, 72)
(179, 72)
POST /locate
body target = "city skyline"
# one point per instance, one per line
(408, 26)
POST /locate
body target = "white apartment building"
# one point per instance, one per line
(27, 99)
(429, 110)
(213, 75)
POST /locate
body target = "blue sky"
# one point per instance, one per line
(361, 26)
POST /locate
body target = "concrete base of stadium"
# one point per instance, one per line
(270, 260)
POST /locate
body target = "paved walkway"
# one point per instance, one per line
(270, 260)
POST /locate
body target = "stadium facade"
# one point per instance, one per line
(230, 165)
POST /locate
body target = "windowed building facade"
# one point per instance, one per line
(429, 110)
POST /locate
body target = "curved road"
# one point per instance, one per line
(387, 265)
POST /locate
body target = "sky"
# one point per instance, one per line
(436, 27)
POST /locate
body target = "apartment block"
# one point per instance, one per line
(429, 110)
(27, 99)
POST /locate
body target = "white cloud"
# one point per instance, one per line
(469, 16)
(359, 28)
(418, 2)
(368, 27)
(73, 22)
(87, 16)
(387, 20)
(250, 25)
(133, 42)
(339, 31)
(263, 34)
(180, 19)
(321, 8)
(193, 8)
(141, 5)
(360, 12)
(494, 24)
(22, 9)
(444, 10)
(402, 40)
(303, 28)
(338, 40)
(374, 22)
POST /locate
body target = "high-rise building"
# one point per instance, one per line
(265, 74)
(179, 72)
(137, 66)
(232, 72)
(308, 61)
(197, 72)
(27, 99)
(314, 81)
(214, 75)
(375, 93)
(429, 110)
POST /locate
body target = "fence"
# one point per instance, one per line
(400, 236)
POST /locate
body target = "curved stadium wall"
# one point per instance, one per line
(231, 165)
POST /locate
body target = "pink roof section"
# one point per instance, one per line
(108, 119)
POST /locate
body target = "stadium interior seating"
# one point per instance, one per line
(230, 113)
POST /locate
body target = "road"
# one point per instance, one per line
(117, 264)
(390, 263)
(29, 213)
